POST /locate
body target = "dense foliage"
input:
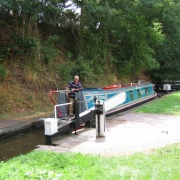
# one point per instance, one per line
(119, 36)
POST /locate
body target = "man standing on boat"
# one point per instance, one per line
(73, 86)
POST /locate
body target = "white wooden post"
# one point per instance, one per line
(50, 125)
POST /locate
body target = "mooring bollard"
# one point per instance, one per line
(50, 126)
(100, 118)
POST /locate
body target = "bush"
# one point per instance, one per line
(65, 72)
(48, 49)
(3, 72)
(80, 67)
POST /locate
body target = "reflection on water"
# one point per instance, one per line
(21, 144)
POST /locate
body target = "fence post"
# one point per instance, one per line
(50, 125)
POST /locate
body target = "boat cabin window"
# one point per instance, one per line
(131, 95)
(139, 94)
(146, 90)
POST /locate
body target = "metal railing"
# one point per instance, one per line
(51, 98)
(58, 105)
(66, 104)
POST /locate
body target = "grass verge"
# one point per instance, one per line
(28, 115)
(169, 104)
(160, 164)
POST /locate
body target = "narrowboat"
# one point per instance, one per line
(136, 93)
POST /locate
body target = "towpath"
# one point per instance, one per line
(126, 134)
(15, 124)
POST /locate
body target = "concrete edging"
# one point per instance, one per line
(16, 129)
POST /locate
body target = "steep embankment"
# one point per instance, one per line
(25, 90)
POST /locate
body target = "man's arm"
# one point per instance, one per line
(77, 89)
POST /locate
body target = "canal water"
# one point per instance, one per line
(21, 143)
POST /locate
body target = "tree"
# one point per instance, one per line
(168, 53)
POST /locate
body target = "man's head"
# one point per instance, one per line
(76, 79)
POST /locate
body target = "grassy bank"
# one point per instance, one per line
(28, 115)
(26, 89)
(160, 164)
(169, 104)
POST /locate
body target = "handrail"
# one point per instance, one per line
(65, 104)
(51, 98)
(58, 105)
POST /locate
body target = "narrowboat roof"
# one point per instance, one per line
(119, 87)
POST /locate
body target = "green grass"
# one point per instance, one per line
(31, 114)
(160, 164)
(169, 104)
